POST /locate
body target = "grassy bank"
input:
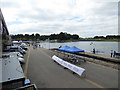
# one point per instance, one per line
(105, 40)
(109, 40)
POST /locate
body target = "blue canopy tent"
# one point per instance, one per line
(74, 50)
(70, 49)
(64, 48)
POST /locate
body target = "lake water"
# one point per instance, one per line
(101, 47)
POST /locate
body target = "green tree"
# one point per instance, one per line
(75, 36)
(37, 36)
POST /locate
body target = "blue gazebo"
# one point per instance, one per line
(73, 49)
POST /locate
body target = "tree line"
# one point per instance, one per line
(108, 37)
(61, 36)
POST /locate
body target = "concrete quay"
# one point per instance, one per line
(96, 56)
(101, 57)
(45, 73)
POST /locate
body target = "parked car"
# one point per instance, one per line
(16, 55)
(19, 55)
(16, 49)
(21, 60)
(24, 47)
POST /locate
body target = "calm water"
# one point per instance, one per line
(101, 47)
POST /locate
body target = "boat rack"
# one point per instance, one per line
(72, 58)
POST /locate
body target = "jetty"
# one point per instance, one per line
(95, 56)
(100, 57)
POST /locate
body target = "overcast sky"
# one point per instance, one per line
(87, 18)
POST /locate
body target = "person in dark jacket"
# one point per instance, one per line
(111, 53)
(114, 54)
(94, 50)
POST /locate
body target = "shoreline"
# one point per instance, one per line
(85, 40)
(95, 58)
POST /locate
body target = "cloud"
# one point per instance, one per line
(84, 17)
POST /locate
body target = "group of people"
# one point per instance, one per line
(113, 53)
(35, 45)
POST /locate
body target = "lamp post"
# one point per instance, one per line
(93, 45)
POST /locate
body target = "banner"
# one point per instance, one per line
(70, 66)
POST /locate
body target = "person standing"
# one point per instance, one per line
(114, 54)
(111, 53)
(39, 45)
(60, 46)
(94, 50)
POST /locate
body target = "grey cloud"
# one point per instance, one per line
(103, 20)
(107, 9)
(42, 15)
(41, 28)
(9, 4)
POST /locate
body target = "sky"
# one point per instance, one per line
(87, 18)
